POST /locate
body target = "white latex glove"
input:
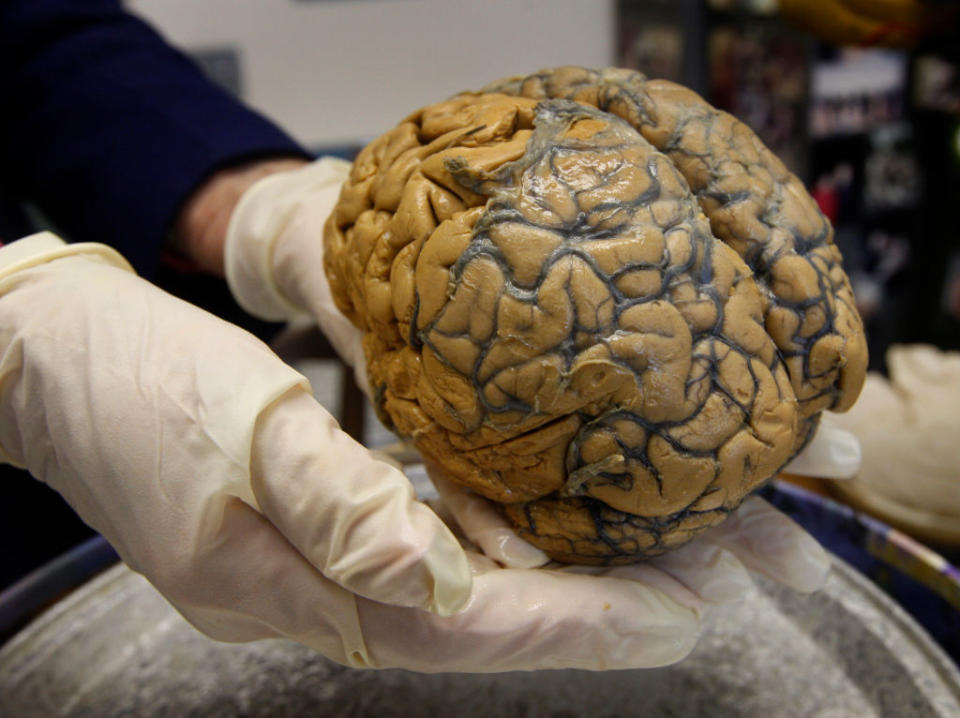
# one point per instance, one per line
(274, 265)
(195, 450)
(273, 257)
(206, 463)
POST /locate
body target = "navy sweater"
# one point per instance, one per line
(107, 129)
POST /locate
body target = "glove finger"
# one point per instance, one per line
(247, 582)
(520, 619)
(644, 573)
(353, 517)
(486, 527)
(833, 453)
(769, 542)
(710, 571)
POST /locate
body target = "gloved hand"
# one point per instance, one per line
(206, 463)
(273, 256)
(201, 456)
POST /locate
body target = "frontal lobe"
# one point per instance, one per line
(548, 314)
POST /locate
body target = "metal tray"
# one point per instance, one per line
(116, 648)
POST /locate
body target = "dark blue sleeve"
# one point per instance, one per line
(107, 129)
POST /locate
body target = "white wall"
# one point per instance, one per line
(335, 71)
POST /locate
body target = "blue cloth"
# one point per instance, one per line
(107, 129)
(852, 536)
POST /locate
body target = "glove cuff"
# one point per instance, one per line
(260, 217)
(35, 250)
(44, 247)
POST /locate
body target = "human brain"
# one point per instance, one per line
(596, 300)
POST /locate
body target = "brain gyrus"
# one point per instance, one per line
(596, 300)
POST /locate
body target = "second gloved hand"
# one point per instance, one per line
(273, 254)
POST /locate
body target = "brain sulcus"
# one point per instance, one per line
(596, 300)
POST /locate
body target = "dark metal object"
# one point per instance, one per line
(39, 590)
(116, 647)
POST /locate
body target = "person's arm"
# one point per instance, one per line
(200, 229)
(109, 130)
